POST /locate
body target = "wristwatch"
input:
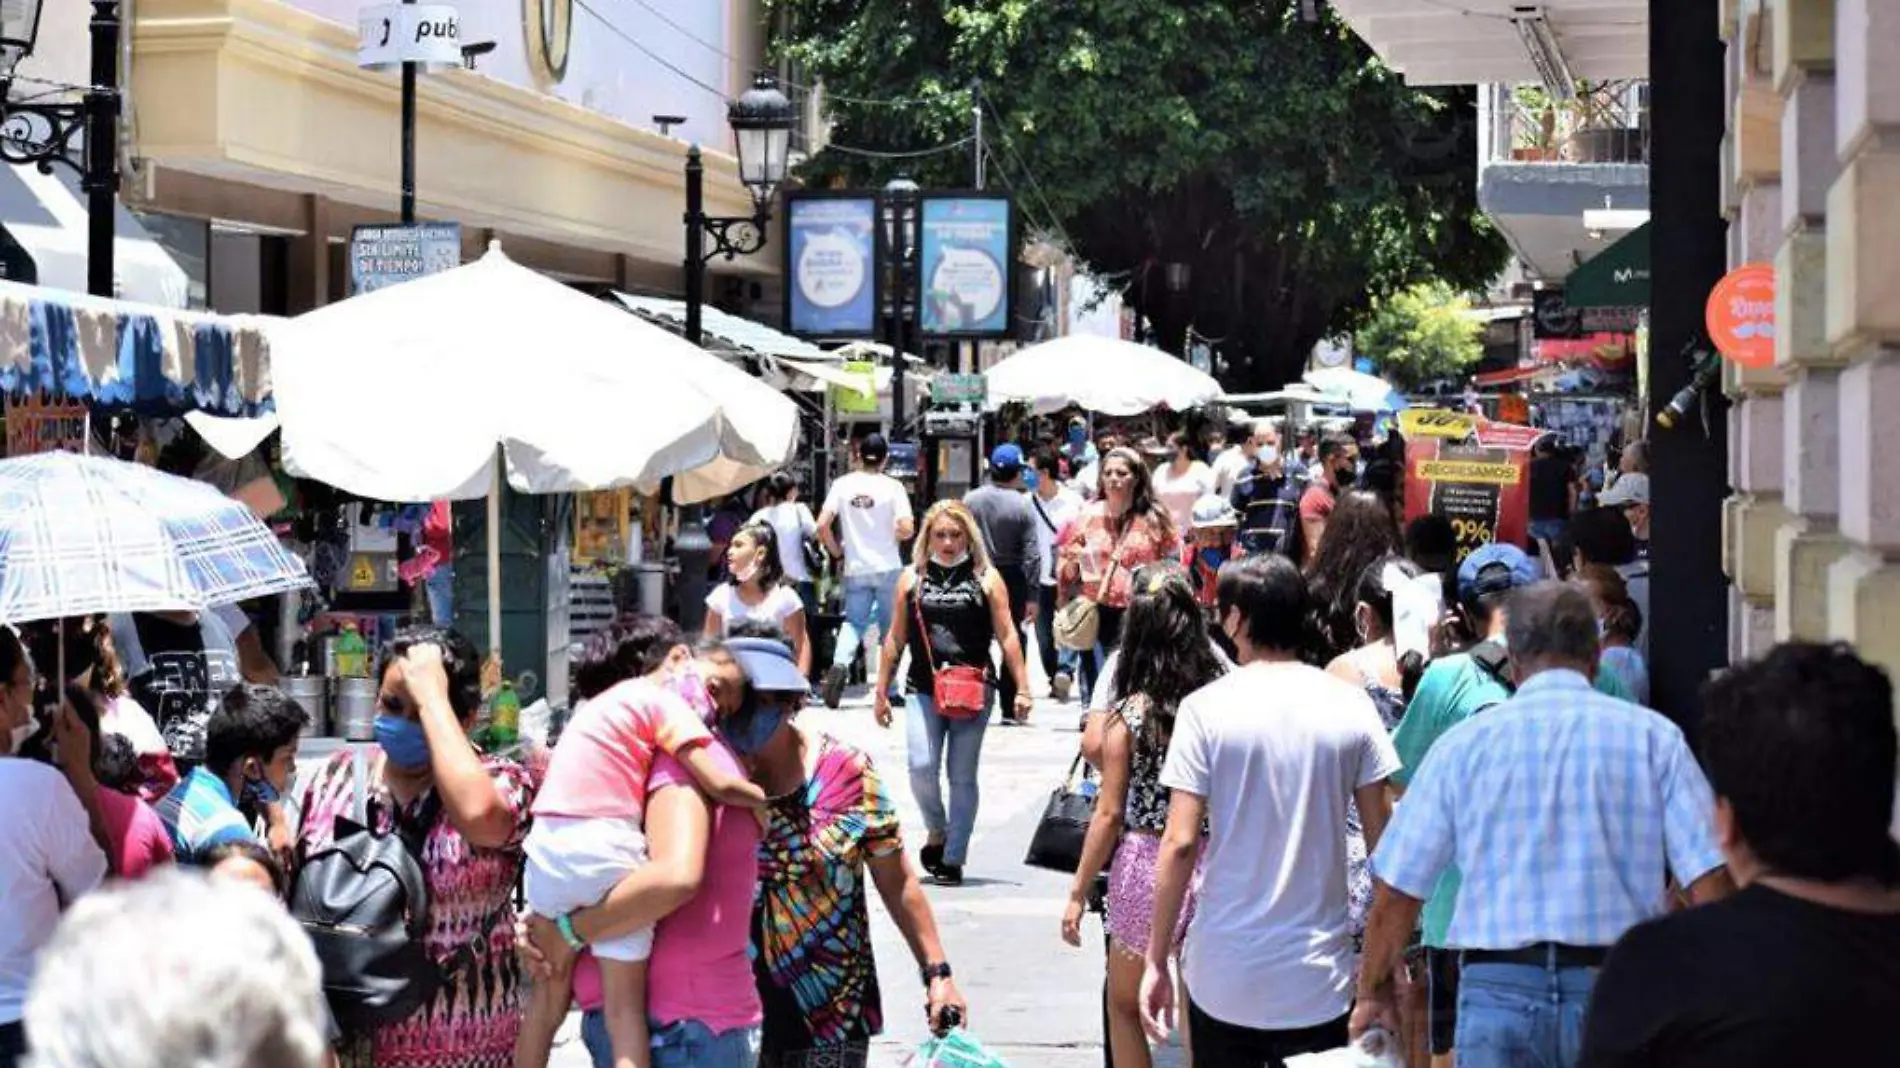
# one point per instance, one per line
(935, 971)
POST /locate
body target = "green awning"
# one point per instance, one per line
(1617, 277)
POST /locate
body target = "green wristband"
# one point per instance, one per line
(566, 926)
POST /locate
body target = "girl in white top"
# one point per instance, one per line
(757, 592)
(1182, 480)
(791, 520)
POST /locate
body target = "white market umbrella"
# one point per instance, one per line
(1101, 374)
(1357, 390)
(404, 394)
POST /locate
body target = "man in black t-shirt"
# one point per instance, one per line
(1553, 493)
(1802, 967)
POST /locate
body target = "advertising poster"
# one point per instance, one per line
(1484, 491)
(383, 256)
(35, 426)
(831, 249)
(967, 250)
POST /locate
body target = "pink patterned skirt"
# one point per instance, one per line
(1131, 894)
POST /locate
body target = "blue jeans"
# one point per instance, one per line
(686, 1044)
(1521, 1015)
(939, 746)
(867, 603)
(1550, 530)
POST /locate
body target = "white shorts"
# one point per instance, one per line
(573, 862)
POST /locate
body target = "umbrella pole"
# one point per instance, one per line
(494, 560)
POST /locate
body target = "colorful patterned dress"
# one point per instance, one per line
(811, 930)
(473, 1022)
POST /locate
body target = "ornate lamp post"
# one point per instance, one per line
(762, 121)
(44, 133)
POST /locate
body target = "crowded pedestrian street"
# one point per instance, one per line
(949, 533)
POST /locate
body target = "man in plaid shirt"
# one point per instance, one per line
(1563, 808)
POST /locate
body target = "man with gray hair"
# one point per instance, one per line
(176, 969)
(1564, 808)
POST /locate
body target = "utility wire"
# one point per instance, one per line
(1009, 146)
(644, 50)
(872, 153)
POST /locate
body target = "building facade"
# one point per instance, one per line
(1812, 185)
(253, 143)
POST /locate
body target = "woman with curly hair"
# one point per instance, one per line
(1359, 534)
(1167, 656)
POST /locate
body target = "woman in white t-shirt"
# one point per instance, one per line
(1182, 480)
(757, 592)
(791, 520)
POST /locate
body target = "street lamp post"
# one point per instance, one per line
(900, 232)
(762, 121)
(43, 134)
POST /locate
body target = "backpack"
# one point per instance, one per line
(364, 902)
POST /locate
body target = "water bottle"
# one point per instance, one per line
(352, 653)
(504, 720)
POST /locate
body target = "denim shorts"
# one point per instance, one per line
(685, 1044)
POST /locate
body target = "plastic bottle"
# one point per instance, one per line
(504, 725)
(352, 653)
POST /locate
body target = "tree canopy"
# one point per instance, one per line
(1420, 333)
(1292, 173)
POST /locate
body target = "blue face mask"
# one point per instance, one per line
(748, 730)
(259, 792)
(403, 741)
(1078, 435)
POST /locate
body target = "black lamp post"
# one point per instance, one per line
(900, 236)
(44, 133)
(762, 121)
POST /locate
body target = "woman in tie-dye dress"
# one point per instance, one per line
(426, 773)
(831, 821)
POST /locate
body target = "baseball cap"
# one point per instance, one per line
(1007, 459)
(1495, 568)
(1212, 511)
(1632, 488)
(768, 665)
(872, 448)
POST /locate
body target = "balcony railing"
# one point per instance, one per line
(1607, 123)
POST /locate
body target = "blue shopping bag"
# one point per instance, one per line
(958, 1049)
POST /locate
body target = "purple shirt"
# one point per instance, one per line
(701, 968)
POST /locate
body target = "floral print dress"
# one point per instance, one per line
(473, 1021)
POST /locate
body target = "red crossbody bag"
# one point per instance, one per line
(959, 691)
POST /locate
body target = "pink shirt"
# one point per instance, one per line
(701, 968)
(139, 841)
(600, 768)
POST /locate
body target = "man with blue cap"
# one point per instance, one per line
(1453, 689)
(1008, 521)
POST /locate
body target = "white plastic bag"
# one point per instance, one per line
(1375, 1049)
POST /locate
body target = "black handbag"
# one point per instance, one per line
(1057, 843)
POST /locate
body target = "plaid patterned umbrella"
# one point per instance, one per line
(85, 534)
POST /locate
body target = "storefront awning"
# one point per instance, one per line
(1617, 277)
(723, 332)
(46, 215)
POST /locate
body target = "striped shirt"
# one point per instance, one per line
(1564, 809)
(199, 813)
(1269, 510)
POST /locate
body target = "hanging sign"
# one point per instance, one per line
(854, 402)
(383, 256)
(1435, 423)
(34, 427)
(389, 35)
(1741, 315)
(968, 246)
(372, 573)
(951, 389)
(831, 264)
(1484, 492)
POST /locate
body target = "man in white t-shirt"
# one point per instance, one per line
(874, 511)
(1269, 755)
(1243, 449)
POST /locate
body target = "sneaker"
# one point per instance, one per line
(834, 686)
(1060, 686)
(931, 857)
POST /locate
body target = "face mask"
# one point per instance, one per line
(1213, 556)
(747, 573)
(403, 741)
(259, 792)
(21, 735)
(749, 729)
(1269, 455)
(1078, 435)
(955, 561)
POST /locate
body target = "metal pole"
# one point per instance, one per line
(101, 180)
(695, 242)
(408, 141)
(900, 242)
(976, 107)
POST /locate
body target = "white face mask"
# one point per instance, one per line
(746, 573)
(1269, 455)
(21, 735)
(955, 561)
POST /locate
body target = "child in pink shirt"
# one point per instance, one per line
(588, 835)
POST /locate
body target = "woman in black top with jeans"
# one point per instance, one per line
(963, 606)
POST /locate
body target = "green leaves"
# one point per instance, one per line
(1295, 175)
(1421, 333)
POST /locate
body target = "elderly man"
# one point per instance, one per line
(1267, 497)
(221, 977)
(1602, 798)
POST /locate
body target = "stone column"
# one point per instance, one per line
(1863, 319)
(1754, 205)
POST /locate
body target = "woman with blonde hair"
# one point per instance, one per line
(950, 605)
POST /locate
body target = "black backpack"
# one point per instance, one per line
(364, 901)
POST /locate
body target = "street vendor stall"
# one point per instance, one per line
(1098, 374)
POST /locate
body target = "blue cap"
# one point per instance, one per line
(768, 665)
(1495, 568)
(1006, 456)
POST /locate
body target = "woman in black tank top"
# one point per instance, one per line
(963, 606)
